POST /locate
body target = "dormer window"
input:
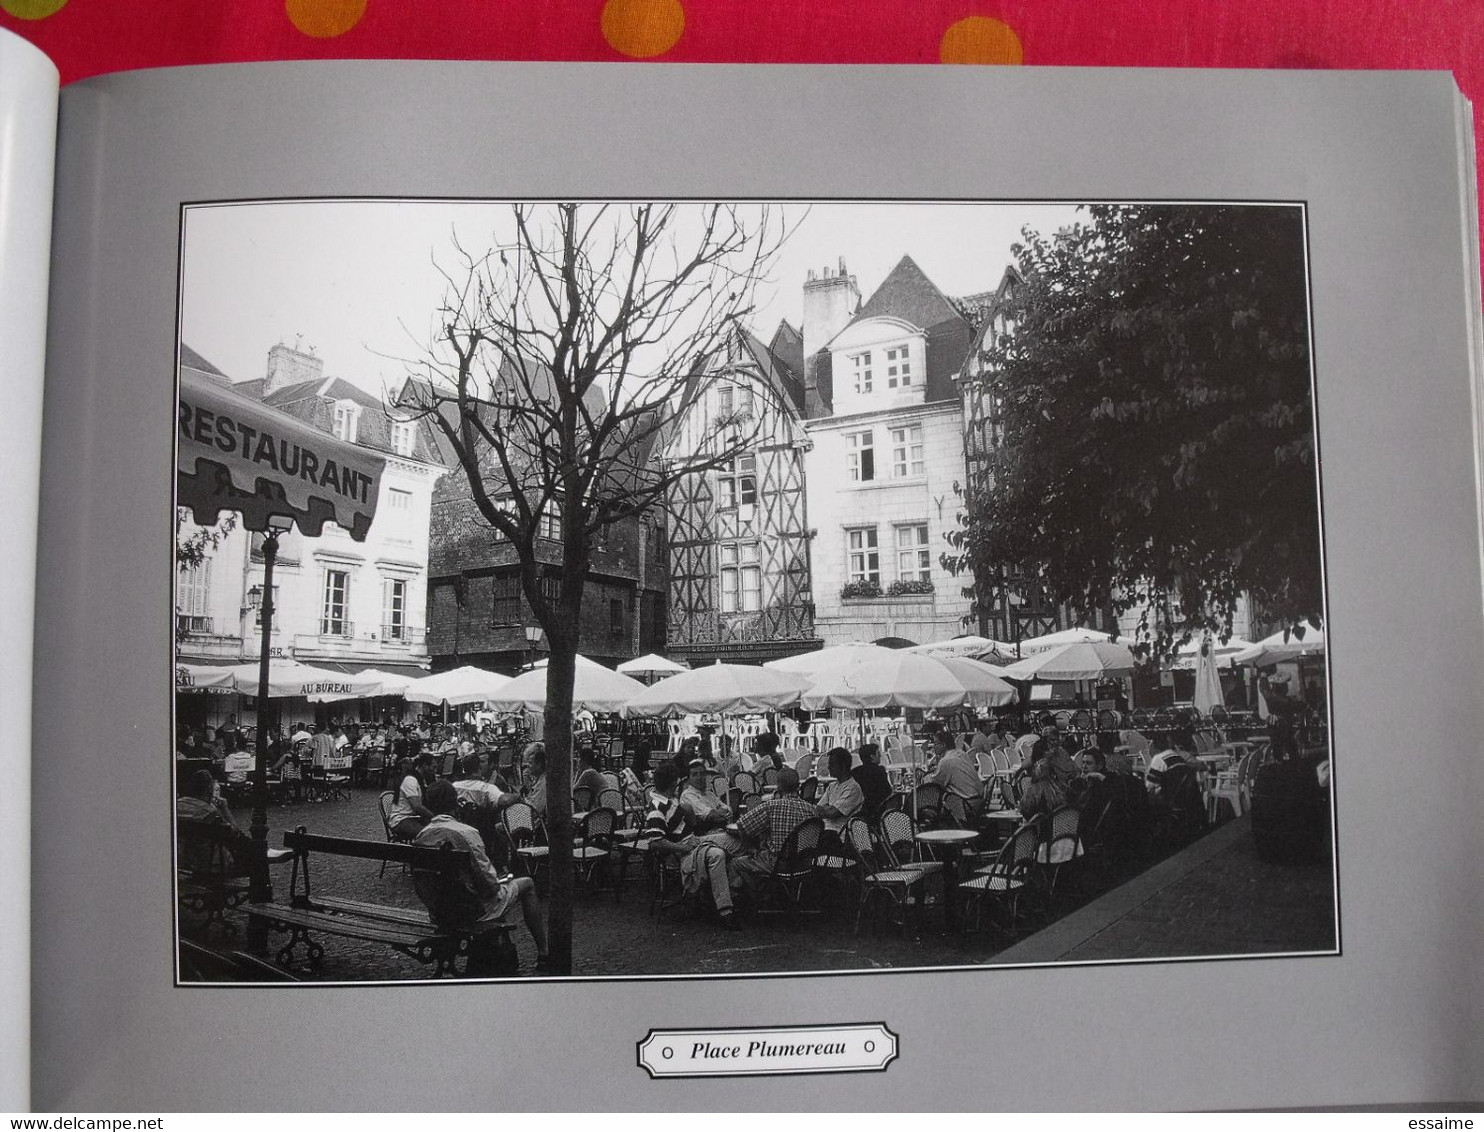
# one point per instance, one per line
(898, 367)
(346, 418)
(860, 368)
(724, 393)
(402, 437)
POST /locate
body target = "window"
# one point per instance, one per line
(724, 399)
(906, 451)
(402, 437)
(394, 625)
(863, 562)
(506, 589)
(744, 400)
(898, 368)
(615, 617)
(741, 578)
(861, 456)
(398, 500)
(860, 368)
(551, 588)
(347, 415)
(913, 557)
(549, 522)
(737, 482)
(333, 618)
(193, 588)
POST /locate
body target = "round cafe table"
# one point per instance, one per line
(952, 842)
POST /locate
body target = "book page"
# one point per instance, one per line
(1377, 1015)
(28, 119)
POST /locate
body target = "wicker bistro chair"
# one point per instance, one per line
(899, 840)
(1061, 845)
(883, 879)
(841, 871)
(809, 790)
(770, 776)
(929, 804)
(386, 822)
(745, 782)
(794, 864)
(1005, 879)
(582, 799)
(523, 827)
(593, 845)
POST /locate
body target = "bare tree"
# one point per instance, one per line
(558, 361)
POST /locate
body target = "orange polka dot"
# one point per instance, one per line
(980, 39)
(32, 9)
(643, 29)
(325, 19)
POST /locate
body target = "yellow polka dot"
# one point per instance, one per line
(32, 9)
(642, 29)
(980, 39)
(324, 19)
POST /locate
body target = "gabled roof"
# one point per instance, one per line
(785, 381)
(1001, 297)
(313, 402)
(908, 294)
(189, 359)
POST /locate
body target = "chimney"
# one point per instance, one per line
(831, 298)
(288, 365)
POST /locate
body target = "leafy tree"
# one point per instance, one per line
(1151, 428)
(557, 360)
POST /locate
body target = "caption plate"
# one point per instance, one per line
(867, 1047)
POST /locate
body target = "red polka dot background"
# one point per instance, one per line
(90, 37)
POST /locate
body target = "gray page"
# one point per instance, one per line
(1395, 1018)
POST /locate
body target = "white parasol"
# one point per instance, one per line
(1208, 694)
(650, 665)
(467, 685)
(1062, 637)
(720, 688)
(1081, 660)
(901, 678)
(319, 685)
(1305, 640)
(594, 688)
(975, 648)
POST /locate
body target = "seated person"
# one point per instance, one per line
(1181, 750)
(982, 739)
(703, 809)
(1041, 794)
(409, 812)
(766, 826)
(238, 766)
(480, 895)
(634, 780)
(535, 788)
(472, 787)
(957, 773)
(589, 777)
(843, 798)
(702, 862)
(766, 748)
(201, 805)
(942, 746)
(873, 780)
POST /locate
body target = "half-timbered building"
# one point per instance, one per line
(739, 535)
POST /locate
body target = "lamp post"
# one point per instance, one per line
(260, 889)
(533, 638)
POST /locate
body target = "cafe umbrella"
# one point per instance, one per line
(595, 689)
(276, 472)
(466, 685)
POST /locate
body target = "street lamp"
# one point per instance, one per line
(533, 638)
(260, 888)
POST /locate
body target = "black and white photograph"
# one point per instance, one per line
(638, 589)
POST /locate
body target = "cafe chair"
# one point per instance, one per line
(1004, 880)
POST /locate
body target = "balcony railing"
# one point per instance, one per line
(187, 624)
(335, 627)
(403, 635)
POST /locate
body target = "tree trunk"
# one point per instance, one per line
(560, 673)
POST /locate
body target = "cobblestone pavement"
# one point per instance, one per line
(1250, 908)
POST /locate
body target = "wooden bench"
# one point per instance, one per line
(406, 930)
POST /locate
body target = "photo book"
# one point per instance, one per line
(819, 588)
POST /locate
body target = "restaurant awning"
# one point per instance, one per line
(236, 454)
(411, 671)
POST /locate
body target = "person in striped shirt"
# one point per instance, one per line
(703, 860)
